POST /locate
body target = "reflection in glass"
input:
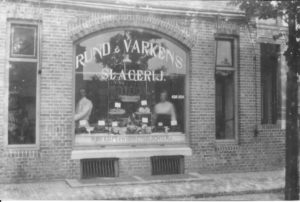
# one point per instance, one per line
(224, 105)
(23, 41)
(22, 103)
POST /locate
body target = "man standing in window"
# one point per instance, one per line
(164, 111)
(84, 107)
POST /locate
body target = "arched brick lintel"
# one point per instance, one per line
(82, 29)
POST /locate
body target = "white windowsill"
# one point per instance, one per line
(226, 141)
(131, 152)
(22, 147)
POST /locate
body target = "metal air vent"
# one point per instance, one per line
(165, 165)
(105, 167)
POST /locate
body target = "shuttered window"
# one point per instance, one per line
(269, 82)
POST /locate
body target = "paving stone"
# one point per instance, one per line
(146, 189)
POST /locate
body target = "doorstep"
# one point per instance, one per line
(132, 180)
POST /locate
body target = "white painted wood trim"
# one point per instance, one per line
(131, 152)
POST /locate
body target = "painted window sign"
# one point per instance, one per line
(130, 55)
(125, 77)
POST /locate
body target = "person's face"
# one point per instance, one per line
(82, 93)
(163, 96)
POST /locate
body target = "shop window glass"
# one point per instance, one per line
(129, 81)
(225, 90)
(22, 80)
(269, 71)
(23, 41)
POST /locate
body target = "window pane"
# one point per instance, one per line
(224, 53)
(269, 65)
(225, 105)
(129, 82)
(23, 41)
(22, 103)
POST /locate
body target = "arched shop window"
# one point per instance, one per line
(129, 81)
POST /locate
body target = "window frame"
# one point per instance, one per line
(186, 83)
(234, 39)
(23, 58)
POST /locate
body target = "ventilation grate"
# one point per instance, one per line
(165, 165)
(106, 167)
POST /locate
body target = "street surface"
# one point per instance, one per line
(193, 186)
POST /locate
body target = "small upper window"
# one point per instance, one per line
(226, 95)
(224, 53)
(23, 43)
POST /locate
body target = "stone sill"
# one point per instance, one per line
(131, 152)
(276, 126)
(103, 139)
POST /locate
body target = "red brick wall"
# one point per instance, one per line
(52, 159)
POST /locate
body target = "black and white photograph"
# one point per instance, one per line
(149, 100)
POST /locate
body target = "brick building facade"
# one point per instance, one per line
(257, 144)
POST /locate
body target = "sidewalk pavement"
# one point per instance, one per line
(189, 185)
